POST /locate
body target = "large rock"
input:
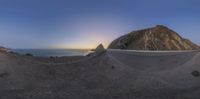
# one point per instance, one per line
(156, 38)
(3, 49)
(99, 50)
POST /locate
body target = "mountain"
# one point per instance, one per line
(156, 38)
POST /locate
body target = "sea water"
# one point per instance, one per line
(53, 52)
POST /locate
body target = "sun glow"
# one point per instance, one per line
(88, 33)
(91, 43)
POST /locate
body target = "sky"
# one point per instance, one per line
(41, 24)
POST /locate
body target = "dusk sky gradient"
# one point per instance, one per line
(86, 23)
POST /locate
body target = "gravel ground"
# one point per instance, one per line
(106, 76)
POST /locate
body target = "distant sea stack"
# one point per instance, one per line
(156, 38)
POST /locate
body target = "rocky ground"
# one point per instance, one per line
(94, 77)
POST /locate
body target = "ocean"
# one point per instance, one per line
(52, 52)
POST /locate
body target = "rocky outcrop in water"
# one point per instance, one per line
(156, 38)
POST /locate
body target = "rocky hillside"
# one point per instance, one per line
(3, 49)
(156, 38)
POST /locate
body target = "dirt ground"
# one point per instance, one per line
(106, 76)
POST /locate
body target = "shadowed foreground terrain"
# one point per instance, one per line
(136, 75)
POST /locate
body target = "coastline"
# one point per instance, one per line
(52, 52)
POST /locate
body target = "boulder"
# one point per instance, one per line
(98, 51)
(99, 48)
(29, 54)
(3, 49)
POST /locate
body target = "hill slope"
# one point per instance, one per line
(156, 38)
